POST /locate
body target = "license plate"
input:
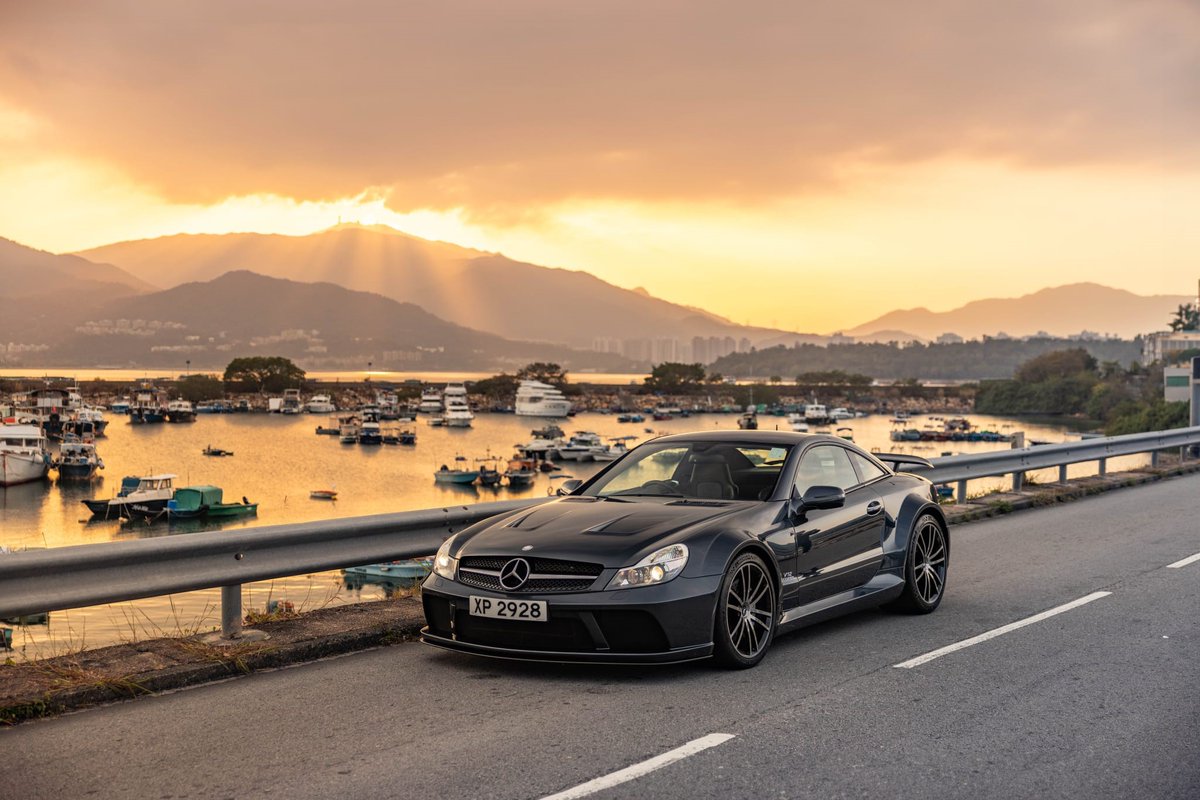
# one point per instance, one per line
(520, 610)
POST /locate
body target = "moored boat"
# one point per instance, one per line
(460, 475)
(323, 494)
(148, 500)
(216, 451)
(536, 399)
(23, 454)
(320, 404)
(77, 460)
(180, 411)
(520, 473)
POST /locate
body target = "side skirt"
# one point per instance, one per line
(875, 592)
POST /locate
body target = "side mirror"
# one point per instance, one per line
(568, 486)
(817, 497)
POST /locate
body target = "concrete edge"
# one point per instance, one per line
(247, 659)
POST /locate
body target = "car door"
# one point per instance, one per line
(838, 548)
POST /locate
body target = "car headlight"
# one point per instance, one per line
(658, 567)
(445, 564)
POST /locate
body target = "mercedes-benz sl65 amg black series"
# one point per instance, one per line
(689, 546)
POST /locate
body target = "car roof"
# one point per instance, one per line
(754, 437)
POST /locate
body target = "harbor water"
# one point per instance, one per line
(278, 460)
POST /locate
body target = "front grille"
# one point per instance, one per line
(546, 574)
(545, 566)
(566, 633)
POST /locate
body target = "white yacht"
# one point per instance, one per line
(536, 399)
(456, 411)
(320, 404)
(23, 454)
(582, 447)
(815, 414)
(431, 402)
(291, 402)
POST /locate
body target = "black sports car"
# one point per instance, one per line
(693, 545)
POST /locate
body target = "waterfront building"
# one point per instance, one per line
(1164, 345)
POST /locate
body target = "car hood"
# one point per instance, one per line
(614, 534)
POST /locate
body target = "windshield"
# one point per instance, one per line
(701, 470)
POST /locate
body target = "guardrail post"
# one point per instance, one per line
(1104, 466)
(962, 492)
(231, 612)
(1062, 473)
(1018, 442)
(1154, 458)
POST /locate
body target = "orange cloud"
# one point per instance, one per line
(499, 108)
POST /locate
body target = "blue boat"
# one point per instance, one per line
(459, 475)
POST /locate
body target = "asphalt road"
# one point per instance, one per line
(1099, 701)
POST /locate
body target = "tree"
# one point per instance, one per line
(671, 376)
(497, 386)
(1056, 364)
(264, 373)
(1187, 318)
(545, 372)
(198, 388)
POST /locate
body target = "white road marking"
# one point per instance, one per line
(642, 767)
(1183, 562)
(1003, 629)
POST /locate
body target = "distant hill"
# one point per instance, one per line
(321, 325)
(484, 291)
(35, 286)
(1059, 311)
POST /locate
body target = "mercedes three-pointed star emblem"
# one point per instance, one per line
(514, 574)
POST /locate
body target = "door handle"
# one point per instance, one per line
(874, 507)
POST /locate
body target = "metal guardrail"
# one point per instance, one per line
(59, 578)
(961, 469)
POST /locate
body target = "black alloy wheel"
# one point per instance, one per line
(925, 567)
(746, 613)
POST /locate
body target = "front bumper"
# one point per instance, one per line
(654, 624)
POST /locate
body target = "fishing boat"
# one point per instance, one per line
(148, 499)
(816, 414)
(149, 405)
(180, 411)
(460, 475)
(370, 433)
(291, 403)
(520, 473)
(348, 430)
(77, 460)
(323, 494)
(191, 502)
(748, 421)
(406, 436)
(216, 451)
(23, 454)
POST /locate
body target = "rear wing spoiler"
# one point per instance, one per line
(897, 461)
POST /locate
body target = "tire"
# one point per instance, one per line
(747, 612)
(925, 567)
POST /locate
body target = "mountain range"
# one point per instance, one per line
(1059, 311)
(485, 291)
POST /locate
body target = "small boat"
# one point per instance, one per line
(581, 447)
(520, 473)
(323, 494)
(846, 433)
(370, 434)
(216, 451)
(798, 422)
(612, 451)
(229, 510)
(748, 421)
(406, 436)
(328, 431)
(348, 430)
(320, 404)
(149, 500)
(190, 502)
(110, 508)
(437, 421)
(839, 413)
(489, 472)
(180, 411)
(459, 475)
(77, 460)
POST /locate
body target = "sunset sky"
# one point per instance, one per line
(806, 165)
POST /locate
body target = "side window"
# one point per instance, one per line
(866, 467)
(825, 465)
